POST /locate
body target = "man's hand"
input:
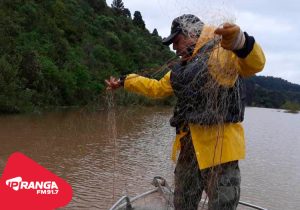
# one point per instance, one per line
(112, 83)
(233, 37)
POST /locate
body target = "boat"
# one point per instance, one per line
(160, 197)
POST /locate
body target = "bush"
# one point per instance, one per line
(291, 107)
(13, 97)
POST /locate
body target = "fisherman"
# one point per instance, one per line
(208, 84)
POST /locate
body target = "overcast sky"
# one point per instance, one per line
(275, 24)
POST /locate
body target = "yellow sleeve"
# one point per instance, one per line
(225, 66)
(149, 87)
(253, 63)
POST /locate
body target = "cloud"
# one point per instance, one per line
(274, 33)
(282, 64)
(283, 9)
(261, 23)
(278, 37)
(274, 24)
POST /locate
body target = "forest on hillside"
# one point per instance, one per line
(272, 92)
(57, 53)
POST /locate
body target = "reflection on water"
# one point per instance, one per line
(106, 154)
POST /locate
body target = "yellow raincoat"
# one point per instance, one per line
(218, 143)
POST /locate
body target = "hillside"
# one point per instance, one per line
(58, 53)
(272, 92)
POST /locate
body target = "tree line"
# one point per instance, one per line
(272, 92)
(58, 53)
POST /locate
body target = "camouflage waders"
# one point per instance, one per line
(221, 183)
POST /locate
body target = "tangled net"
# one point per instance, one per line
(206, 99)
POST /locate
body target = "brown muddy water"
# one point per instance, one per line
(106, 154)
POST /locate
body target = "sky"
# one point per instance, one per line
(275, 25)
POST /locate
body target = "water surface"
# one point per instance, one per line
(109, 153)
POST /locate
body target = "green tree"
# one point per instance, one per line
(13, 96)
(118, 6)
(98, 5)
(138, 20)
(155, 32)
(29, 69)
(127, 13)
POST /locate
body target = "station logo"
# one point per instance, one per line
(41, 187)
(27, 185)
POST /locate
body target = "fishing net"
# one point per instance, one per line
(209, 96)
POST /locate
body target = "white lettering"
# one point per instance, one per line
(43, 191)
(54, 186)
(47, 187)
(24, 185)
(39, 185)
(47, 192)
(31, 186)
(14, 183)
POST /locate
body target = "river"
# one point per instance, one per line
(108, 153)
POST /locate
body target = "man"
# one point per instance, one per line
(210, 108)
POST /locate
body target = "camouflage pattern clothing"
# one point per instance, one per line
(221, 183)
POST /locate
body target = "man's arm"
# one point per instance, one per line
(149, 87)
(142, 85)
(251, 57)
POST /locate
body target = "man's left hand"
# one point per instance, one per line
(233, 37)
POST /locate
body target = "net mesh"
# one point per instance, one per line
(208, 90)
